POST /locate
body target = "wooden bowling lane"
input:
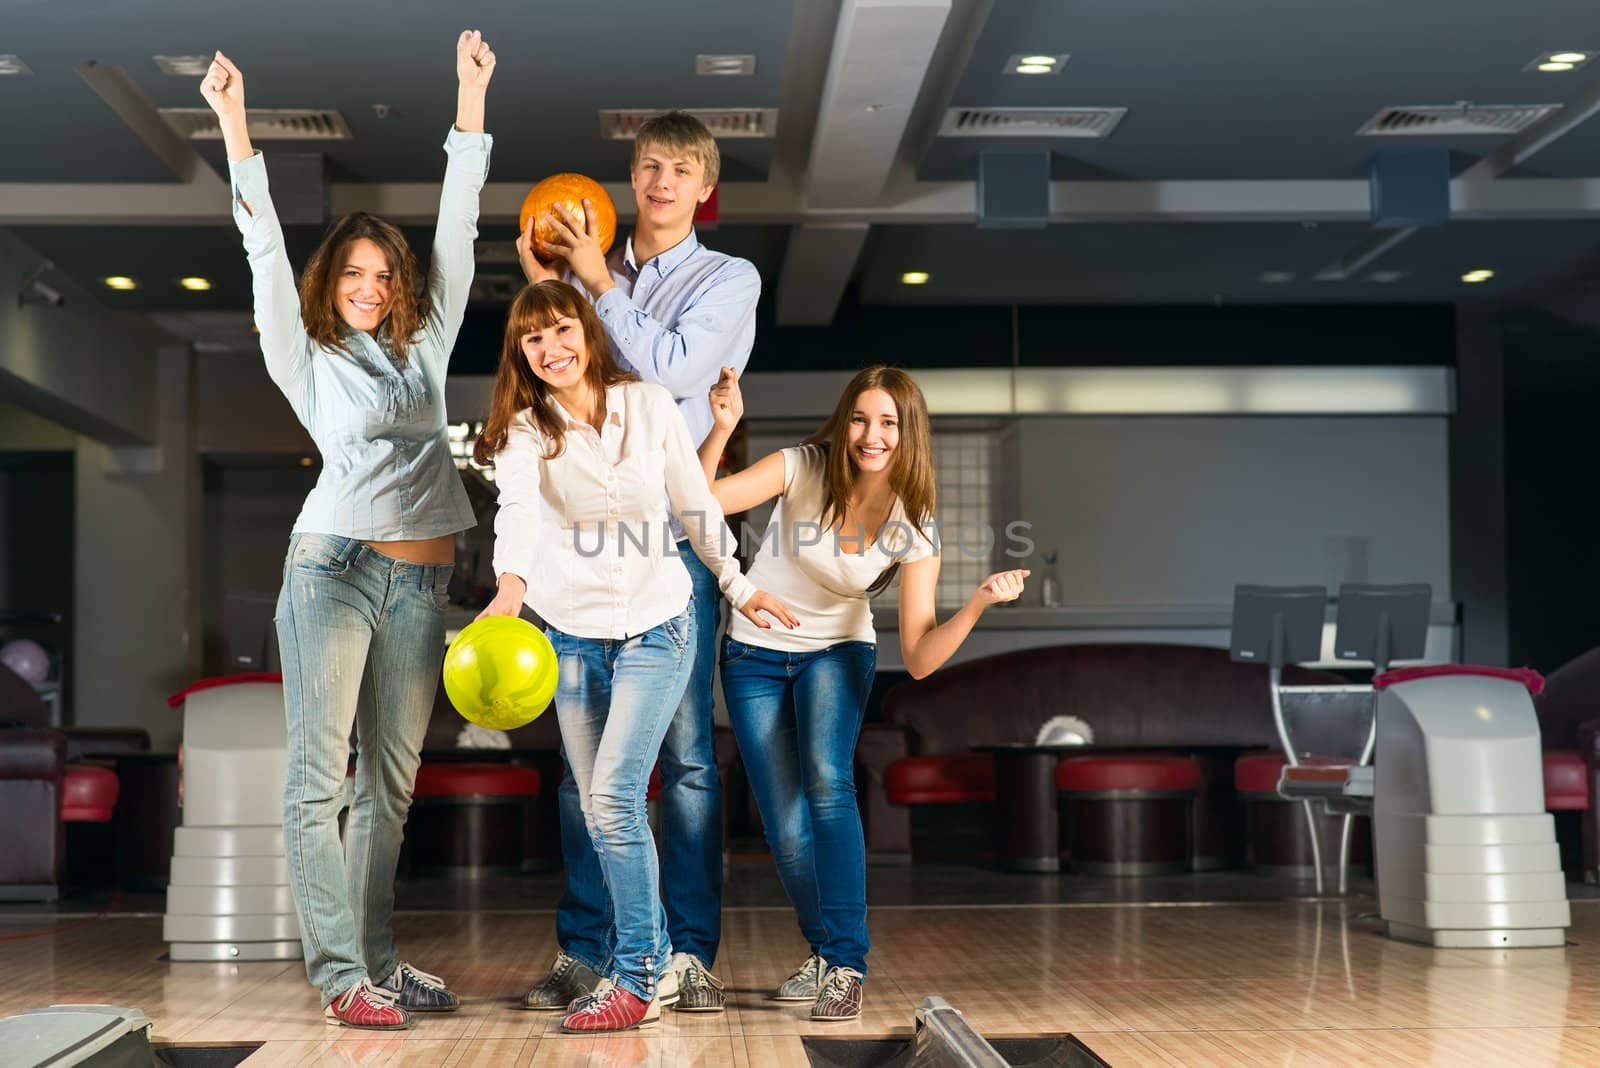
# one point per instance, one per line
(1272, 983)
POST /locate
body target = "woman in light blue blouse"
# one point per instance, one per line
(361, 357)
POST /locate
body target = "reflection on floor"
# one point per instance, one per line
(1144, 972)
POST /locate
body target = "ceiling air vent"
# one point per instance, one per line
(622, 124)
(1031, 122)
(265, 124)
(1454, 119)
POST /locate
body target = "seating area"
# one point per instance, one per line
(1183, 769)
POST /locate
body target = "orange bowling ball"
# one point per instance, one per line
(570, 190)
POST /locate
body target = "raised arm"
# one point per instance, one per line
(451, 265)
(925, 643)
(752, 486)
(277, 301)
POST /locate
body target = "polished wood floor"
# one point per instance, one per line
(1285, 983)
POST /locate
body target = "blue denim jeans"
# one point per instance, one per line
(690, 807)
(797, 717)
(615, 699)
(361, 636)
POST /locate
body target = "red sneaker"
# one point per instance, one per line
(610, 1008)
(366, 1007)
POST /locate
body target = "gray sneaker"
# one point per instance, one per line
(841, 996)
(805, 984)
(568, 980)
(698, 989)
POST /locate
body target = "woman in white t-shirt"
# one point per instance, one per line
(588, 459)
(855, 505)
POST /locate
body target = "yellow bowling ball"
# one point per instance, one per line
(500, 672)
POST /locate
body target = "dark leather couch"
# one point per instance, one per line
(1129, 693)
(48, 777)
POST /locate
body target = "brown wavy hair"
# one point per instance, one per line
(911, 478)
(516, 387)
(408, 303)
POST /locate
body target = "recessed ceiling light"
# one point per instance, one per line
(1036, 63)
(120, 282)
(715, 65)
(195, 283)
(1482, 274)
(1275, 277)
(183, 66)
(1560, 62)
(914, 278)
(305, 461)
(10, 64)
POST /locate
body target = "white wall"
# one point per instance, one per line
(1166, 512)
(137, 567)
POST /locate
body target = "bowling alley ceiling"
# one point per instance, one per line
(1230, 167)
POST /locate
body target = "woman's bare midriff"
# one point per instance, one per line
(440, 550)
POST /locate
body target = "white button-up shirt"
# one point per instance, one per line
(588, 530)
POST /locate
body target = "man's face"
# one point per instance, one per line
(667, 187)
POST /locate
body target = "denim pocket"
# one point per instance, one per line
(324, 556)
(678, 628)
(733, 652)
(441, 588)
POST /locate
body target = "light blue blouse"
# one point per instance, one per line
(387, 473)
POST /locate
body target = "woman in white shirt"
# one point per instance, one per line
(587, 459)
(855, 506)
(361, 355)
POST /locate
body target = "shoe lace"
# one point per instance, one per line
(375, 996)
(421, 976)
(694, 975)
(812, 967)
(837, 987)
(563, 965)
(597, 998)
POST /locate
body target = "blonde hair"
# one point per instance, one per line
(680, 133)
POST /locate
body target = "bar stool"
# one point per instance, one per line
(1128, 815)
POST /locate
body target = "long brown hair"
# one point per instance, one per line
(539, 307)
(319, 307)
(912, 476)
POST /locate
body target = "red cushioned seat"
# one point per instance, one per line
(940, 780)
(1258, 773)
(88, 794)
(653, 790)
(475, 780)
(1566, 786)
(1100, 773)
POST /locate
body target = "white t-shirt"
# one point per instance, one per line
(823, 582)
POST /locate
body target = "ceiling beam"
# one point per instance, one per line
(142, 119)
(817, 264)
(882, 55)
(1476, 179)
(1539, 136)
(417, 203)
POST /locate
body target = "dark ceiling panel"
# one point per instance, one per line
(555, 69)
(1242, 89)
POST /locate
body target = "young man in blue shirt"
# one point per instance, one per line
(676, 313)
